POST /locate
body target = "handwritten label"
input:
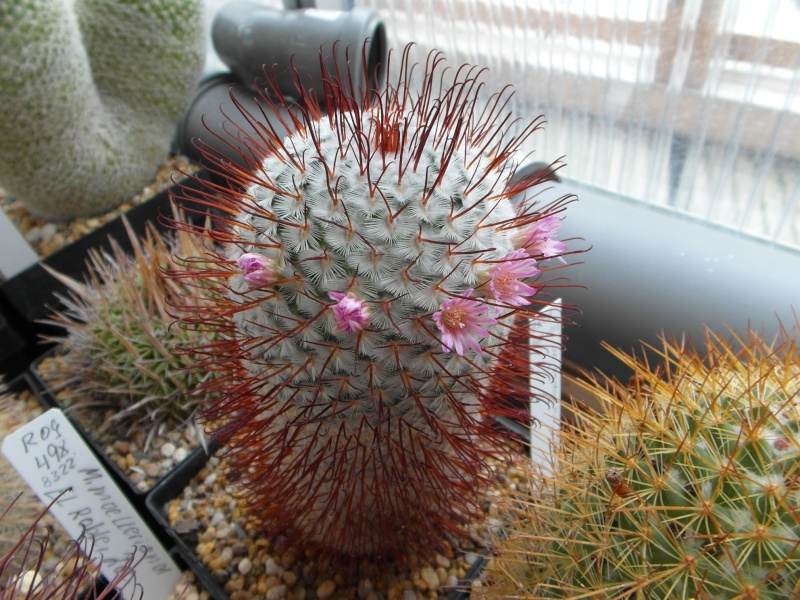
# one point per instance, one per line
(53, 459)
(545, 403)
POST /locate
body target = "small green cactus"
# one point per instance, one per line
(91, 92)
(688, 486)
(122, 345)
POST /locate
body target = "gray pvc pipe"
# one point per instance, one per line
(215, 121)
(650, 271)
(251, 38)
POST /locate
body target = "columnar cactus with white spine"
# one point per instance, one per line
(374, 267)
(91, 92)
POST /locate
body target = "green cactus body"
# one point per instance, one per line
(95, 88)
(375, 267)
(687, 487)
(122, 347)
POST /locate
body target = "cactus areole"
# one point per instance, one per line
(374, 270)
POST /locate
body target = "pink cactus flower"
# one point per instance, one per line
(538, 240)
(460, 320)
(258, 270)
(505, 276)
(350, 312)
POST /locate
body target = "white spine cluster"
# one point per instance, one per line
(403, 248)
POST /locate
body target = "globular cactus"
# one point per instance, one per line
(374, 263)
(121, 348)
(95, 88)
(686, 487)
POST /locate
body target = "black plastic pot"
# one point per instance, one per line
(172, 486)
(157, 502)
(26, 382)
(12, 344)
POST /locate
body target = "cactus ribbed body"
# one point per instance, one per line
(122, 344)
(91, 91)
(686, 488)
(373, 273)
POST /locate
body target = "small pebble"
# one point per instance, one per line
(276, 593)
(365, 587)
(180, 454)
(167, 449)
(28, 580)
(245, 566)
(430, 578)
(271, 567)
(326, 589)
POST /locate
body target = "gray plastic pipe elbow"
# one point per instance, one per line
(251, 38)
(214, 123)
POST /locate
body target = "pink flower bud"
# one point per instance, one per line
(538, 240)
(258, 270)
(351, 312)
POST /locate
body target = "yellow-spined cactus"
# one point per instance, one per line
(90, 93)
(688, 486)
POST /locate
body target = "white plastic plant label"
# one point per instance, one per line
(545, 403)
(53, 459)
(16, 255)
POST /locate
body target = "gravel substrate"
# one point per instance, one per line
(143, 461)
(46, 237)
(248, 566)
(188, 589)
